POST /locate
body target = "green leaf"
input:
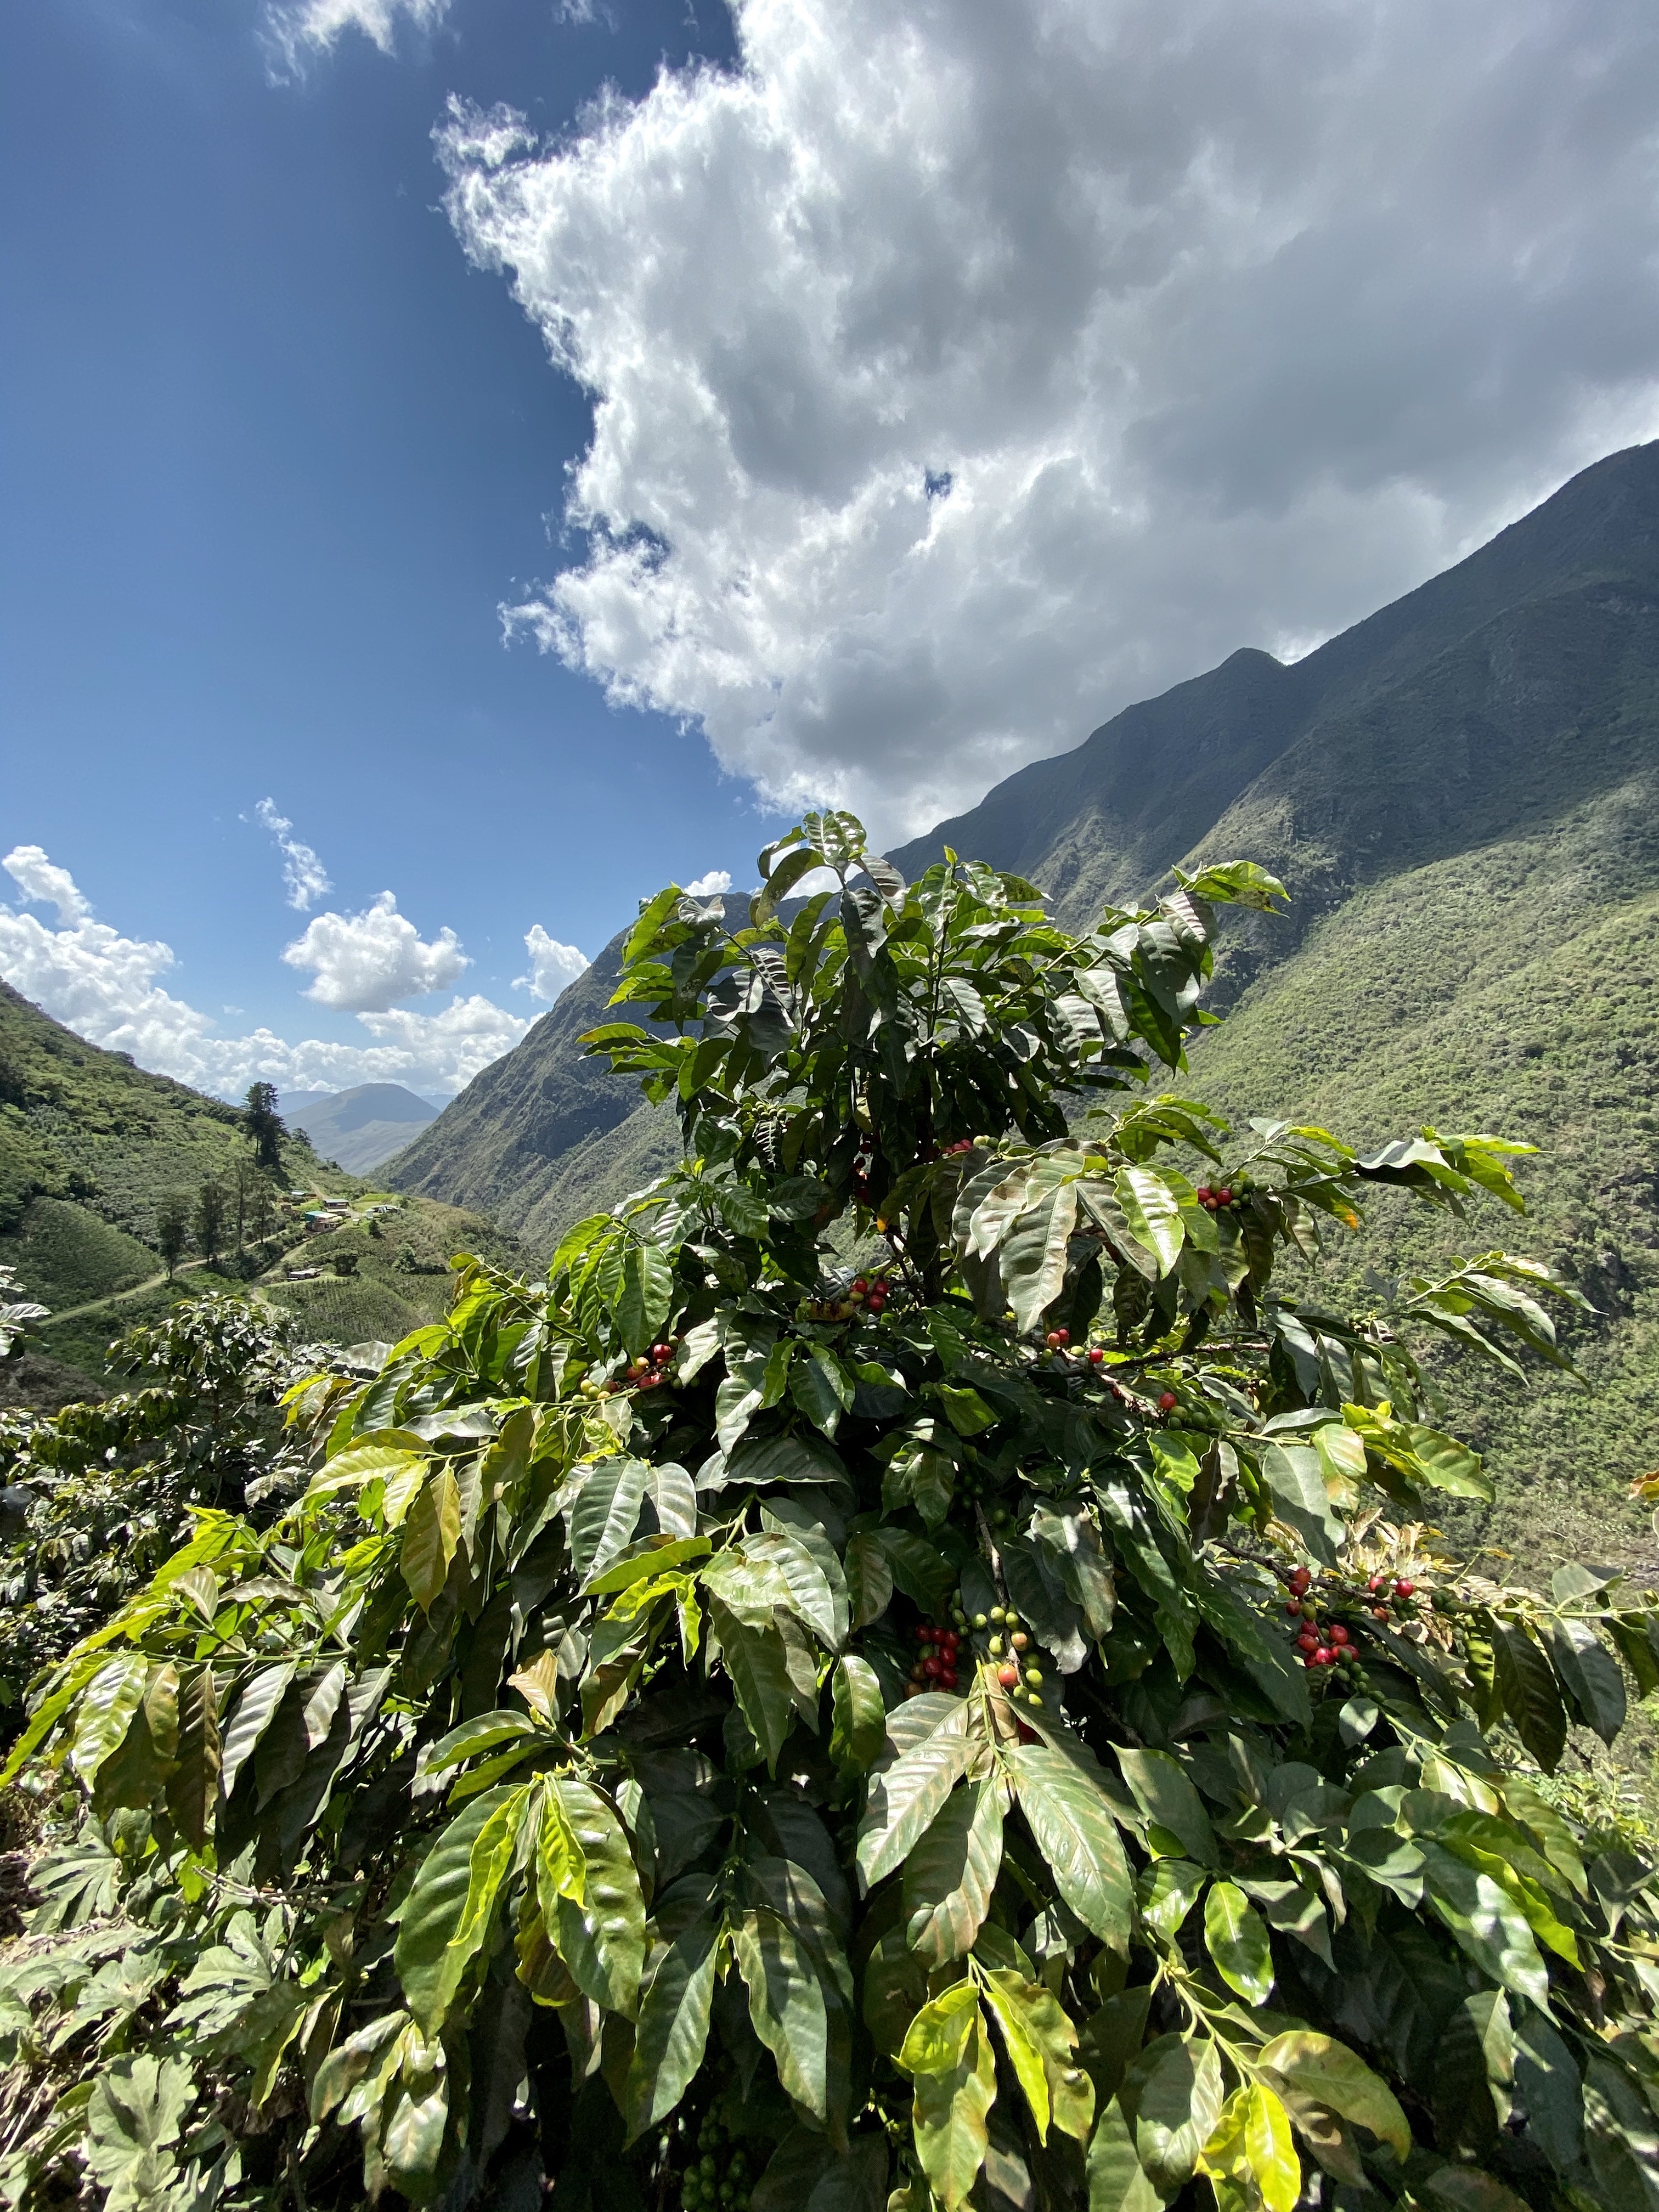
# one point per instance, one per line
(1167, 1892)
(431, 1534)
(1530, 1697)
(1025, 2053)
(1117, 2180)
(673, 2029)
(1177, 2101)
(904, 1801)
(950, 2115)
(950, 1874)
(822, 1388)
(657, 1555)
(786, 2006)
(1291, 1473)
(1269, 2150)
(1547, 2080)
(430, 1972)
(105, 1712)
(1330, 2073)
(255, 1711)
(869, 1579)
(1032, 1258)
(758, 1666)
(1071, 1825)
(601, 1939)
(860, 1718)
(606, 1513)
(644, 1297)
(1237, 1941)
(1151, 1212)
(133, 2119)
(937, 2036)
(1169, 1801)
(1590, 1674)
(193, 1785)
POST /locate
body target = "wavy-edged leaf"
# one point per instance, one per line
(606, 1513)
(860, 1718)
(601, 1939)
(950, 2114)
(432, 1912)
(758, 1666)
(673, 2028)
(1071, 1825)
(255, 1711)
(904, 1801)
(193, 1784)
(786, 2006)
(432, 1531)
(950, 1872)
(1151, 1213)
(1167, 1797)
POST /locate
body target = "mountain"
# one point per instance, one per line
(91, 1145)
(541, 1131)
(1461, 793)
(359, 1128)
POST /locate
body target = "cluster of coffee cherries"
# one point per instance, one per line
(1215, 1199)
(936, 1661)
(1380, 1589)
(864, 1293)
(1060, 1341)
(1008, 1648)
(1330, 1643)
(650, 1371)
(997, 1638)
(715, 2173)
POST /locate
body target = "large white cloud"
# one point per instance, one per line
(366, 962)
(552, 965)
(104, 986)
(965, 369)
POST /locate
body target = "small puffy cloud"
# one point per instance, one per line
(992, 366)
(105, 986)
(708, 886)
(303, 873)
(297, 32)
(366, 962)
(552, 965)
(44, 885)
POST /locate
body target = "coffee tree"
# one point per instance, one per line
(912, 1668)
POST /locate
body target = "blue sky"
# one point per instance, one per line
(273, 455)
(932, 380)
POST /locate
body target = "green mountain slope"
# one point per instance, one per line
(90, 1147)
(1494, 704)
(545, 1134)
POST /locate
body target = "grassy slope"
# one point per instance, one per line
(1511, 989)
(90, 1144)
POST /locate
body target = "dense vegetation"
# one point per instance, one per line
(977, 1717)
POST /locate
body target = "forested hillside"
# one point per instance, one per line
(94, 1152)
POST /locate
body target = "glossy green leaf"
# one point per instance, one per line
(949, 2116)
(1167, 1797)
(904, 1799)
(860, 1718)
(601, 1938)
(432, 1530)
(951, 1871)
(673, 2028)
(1238, 1942)
(1072, 1826)
(1336, 2075)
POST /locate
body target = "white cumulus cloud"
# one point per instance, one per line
(552, 965)
(716, 881)
(105, 986)
(297, 30)
(303, 873)
(366, 962)
(44, 885)
(961, 372)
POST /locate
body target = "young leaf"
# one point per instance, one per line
(431, 1533)
(950, 2114)
(601, 1936)
(859, 1716)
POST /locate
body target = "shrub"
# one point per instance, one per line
(737, 1724)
